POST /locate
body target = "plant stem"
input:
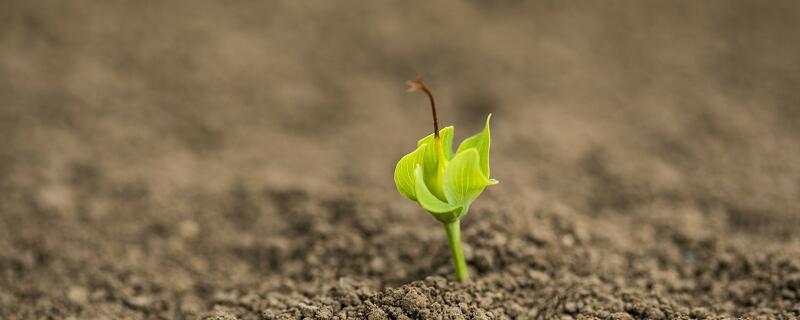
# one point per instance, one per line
(418, 85)
(454, 238)
(433, 111)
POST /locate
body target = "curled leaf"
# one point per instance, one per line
(463, 180)
(433, 163)
(480, 142)
(446, 135)
(404, 173)
(430, 202)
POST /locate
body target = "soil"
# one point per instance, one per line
(189, 160)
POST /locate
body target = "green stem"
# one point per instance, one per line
(454, 238)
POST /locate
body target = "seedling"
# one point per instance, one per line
(445, 183)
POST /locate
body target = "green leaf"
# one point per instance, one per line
(432, 163)
(427, 200)
(404, 173)
(446, 134)
(480, 142)
(463, 180)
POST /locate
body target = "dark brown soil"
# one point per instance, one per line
(233, 161)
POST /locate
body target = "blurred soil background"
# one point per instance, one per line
(231, 160)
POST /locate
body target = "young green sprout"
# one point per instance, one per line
(444, 183)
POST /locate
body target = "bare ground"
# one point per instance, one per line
(191, 160)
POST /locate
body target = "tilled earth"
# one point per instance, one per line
(190, 160)
(289, 254)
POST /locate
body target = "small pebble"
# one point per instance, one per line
(78, 294)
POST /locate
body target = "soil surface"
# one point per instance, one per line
(186, 160)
